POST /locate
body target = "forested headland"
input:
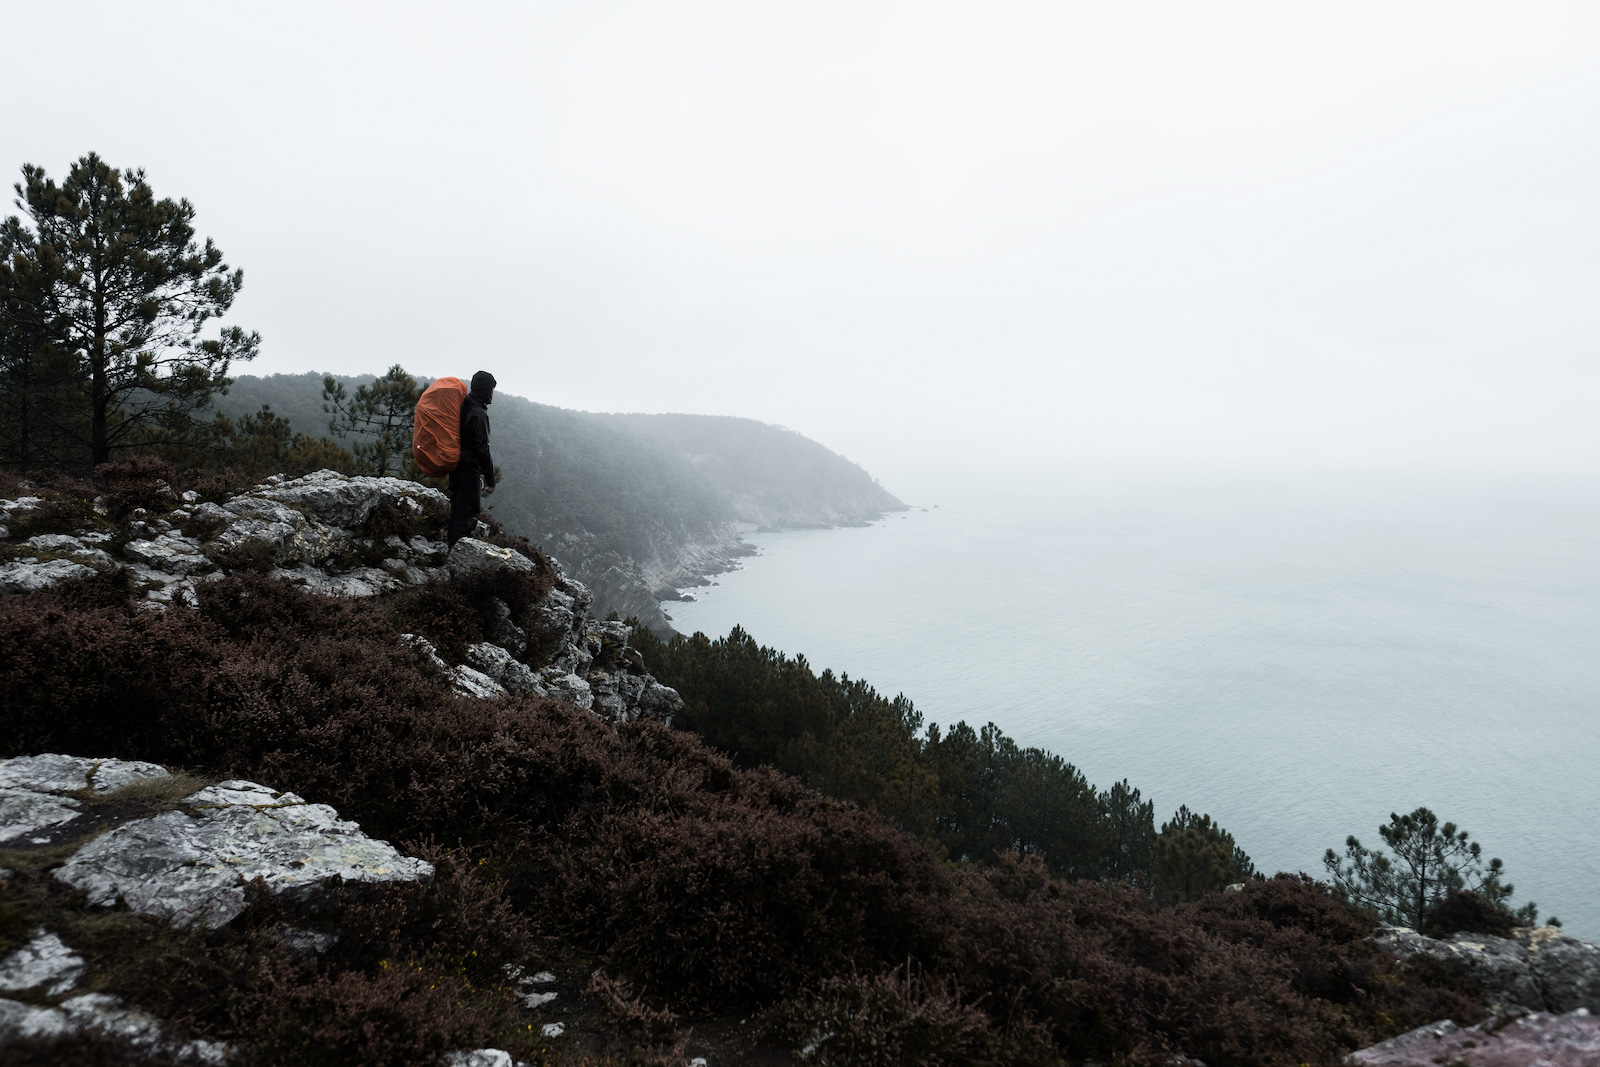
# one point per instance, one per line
(797, 866)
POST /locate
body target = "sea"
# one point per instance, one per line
(1296, 656)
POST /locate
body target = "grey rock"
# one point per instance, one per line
(67, 545)
(1498, 964)
(475, 683)
(173, 553)
(470, 556)
(25, 1020)
(504, 630)
(421, 546)
(250, 536)
(305, 943)
(32, 788)
(1566, 969)
(568, 687)
(193, 867)
(52, 773)
(271, 511)
(608, 701)
(24, 814)
(1511, 1040)
(1535, 969)
(361, 582)
(29, 575)
(499, 665)
(106, 1014)
(44, 963)
(340, 500)
(422, 644)
(480, 1057)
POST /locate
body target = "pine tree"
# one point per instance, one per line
(120, 288)
(380, 417)
(1430, 860)
(1194, 856)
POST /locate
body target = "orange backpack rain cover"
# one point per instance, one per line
(436, 431)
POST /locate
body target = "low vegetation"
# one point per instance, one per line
(697, 886)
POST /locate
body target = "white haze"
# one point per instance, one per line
(1024, 236)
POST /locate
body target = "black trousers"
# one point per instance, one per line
(466, 500)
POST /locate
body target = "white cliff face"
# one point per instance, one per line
(309, 531)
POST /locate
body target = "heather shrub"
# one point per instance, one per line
(697, 884)
(87, 1049)
(139, 482)
(1463, 911)
(886, 1020)
(654, 1030)
(739, 898)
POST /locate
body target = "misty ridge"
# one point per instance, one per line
(199, 575)
(638, 506)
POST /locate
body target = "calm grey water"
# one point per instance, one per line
(1296, 657)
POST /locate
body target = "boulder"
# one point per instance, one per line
(503, 668)
(568, 687)
(1534, 969)
(30, 575)
(475, 683)
(170, 552)
(1511, 1040)
(33, 790)
(68, 545)
(105, 1014)
(43, 964)
(470, 556)
(191, 865)
(341, 500)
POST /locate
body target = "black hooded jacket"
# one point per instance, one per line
(475, 432)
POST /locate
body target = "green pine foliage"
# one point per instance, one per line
(1195, 856)
(106, 306)
(972, 794)
(1430, 863)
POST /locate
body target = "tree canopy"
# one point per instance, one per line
(105, 304)
(1430, 862)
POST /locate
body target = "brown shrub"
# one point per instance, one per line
(1467, 912)
(701, 884)
(138, 482)
(887, 1020)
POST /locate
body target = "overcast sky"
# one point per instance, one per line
(987, 234)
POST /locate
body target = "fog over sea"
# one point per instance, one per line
(1296, 656)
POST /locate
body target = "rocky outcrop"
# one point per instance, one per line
(1536, 969)
(1509, 1040)
(40, 796)
(189, 864)
(322, 532)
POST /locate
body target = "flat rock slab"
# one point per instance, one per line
(104, 1014)
(191, 866)
(28, 576)
(45, 963)
(1532, 1040)
(35, 790)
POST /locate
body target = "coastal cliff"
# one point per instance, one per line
(638, 507)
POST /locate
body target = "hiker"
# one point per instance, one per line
(475, 473)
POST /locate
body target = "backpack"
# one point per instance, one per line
(436, 430)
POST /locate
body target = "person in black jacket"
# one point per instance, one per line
(475, 473)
